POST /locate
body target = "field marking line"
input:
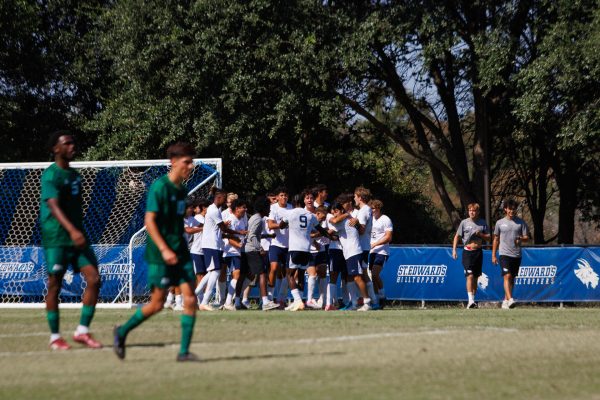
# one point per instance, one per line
(328, 339)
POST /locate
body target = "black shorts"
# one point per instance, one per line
(472, 261)
(510, 265)
(255, 262)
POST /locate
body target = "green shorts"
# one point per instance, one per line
(59, 258)
(163, 276)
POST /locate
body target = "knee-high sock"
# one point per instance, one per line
(187, 329)
(231, 291)
(353, 292)
(202, 287)
(331, 294)
(244, 287)
(322, 289)
(213, 276)
(310, 293)
(222, 292)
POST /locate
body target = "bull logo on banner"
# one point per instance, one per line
(586, 273)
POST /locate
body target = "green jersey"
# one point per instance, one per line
(65, 186)
(168, 202)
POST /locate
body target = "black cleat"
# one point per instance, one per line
(187, 357)
(118, 343)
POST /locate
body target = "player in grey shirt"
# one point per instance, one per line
(510, 232)
(473, 232)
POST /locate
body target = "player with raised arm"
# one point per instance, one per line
(64, 240)
(509, 233)
(364, 215)
(212, 245)
(473, 231)
(167, 253)
(348, 229)
(381, 236)
(278, 251)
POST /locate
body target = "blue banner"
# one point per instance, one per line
(547, 274)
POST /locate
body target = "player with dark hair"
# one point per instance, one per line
(509, 233)
(364, 215)
(167, 253)
(232, 252)
(278, 251)
(64, 240)
(320, 194)
(381, 236)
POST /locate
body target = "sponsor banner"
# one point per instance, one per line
(546, 274)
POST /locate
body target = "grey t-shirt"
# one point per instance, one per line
(255, 226)
(509, 230)
(468, 227)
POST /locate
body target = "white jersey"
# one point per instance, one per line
(380, 227)
(282, 237)
(192, 222)
(230, 250)
(265, 243)
(322, 241)
(212, 237)
(365, 218)
(301, 224)
(349, 238)
(333, 244)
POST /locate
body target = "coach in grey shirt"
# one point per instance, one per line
(510, 232)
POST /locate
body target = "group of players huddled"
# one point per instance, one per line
(278, 245)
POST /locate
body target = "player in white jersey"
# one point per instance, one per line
(337, 266)
(232, 252)
(381, 236)
(212, 246)
(301, 224)
(364, 214)
(348, 229)
(320, 194)
(278, 250)
(318, 256)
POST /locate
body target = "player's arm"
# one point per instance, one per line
(387, 238)
(228, 231)
(167, 254)
(190, 230)
(495, 243)
(454, 244)
(235, 242)
(339, 218)
(485, 236)
(75, 234)
(323, 232)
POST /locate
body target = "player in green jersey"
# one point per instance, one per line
(64, 240)
(167, 254)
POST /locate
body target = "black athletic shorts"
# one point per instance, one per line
(254, 262)
(472, 261)
(510, 265)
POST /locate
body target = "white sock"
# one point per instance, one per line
(169, 298)
(471, 296)
(371, 291)
(82, 330)
(231, 291)
(310, 293)
(265, 300)
(330, 294)
(352, 289)
(213, 276)
(367, 300)
(283, 290)
(54, 336)
(178, 300)
(322, 289)
(222, 292)
(296, 295)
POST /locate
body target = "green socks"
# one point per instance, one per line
(136, 319)
(53, 321)
(187, 329)
(87, 313)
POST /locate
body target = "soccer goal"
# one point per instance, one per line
(114, 202)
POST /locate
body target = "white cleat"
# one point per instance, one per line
(312, 305)
(365, 307)
(295, 306)
(229, 307)
(271, 305)
(178, 307)
(512, 303)
(505, 305)
(472, 304)
(168, 305)
(205, 307)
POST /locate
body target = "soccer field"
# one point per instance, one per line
(397, 354)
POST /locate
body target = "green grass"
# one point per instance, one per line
(533, 353)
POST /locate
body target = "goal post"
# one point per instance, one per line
(114, 200)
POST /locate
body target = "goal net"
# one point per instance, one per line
(114, 202)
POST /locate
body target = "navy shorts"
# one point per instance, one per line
(234, 263)
(278, 254)
(199, 265)
(212, 259)
(510, 265)
(354, 265)
(364, 259)
(299, 259)
(337, 262)
(472, 261)
(320, 258)
(377, 259)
